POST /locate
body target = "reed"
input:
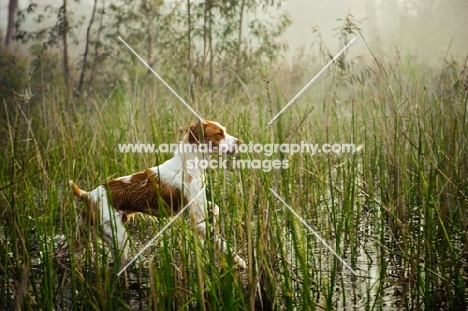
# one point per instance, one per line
(395, 211)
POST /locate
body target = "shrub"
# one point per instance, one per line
(12, 74)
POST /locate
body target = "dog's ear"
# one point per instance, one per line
(194, 136)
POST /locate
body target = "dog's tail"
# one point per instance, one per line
(77, 191)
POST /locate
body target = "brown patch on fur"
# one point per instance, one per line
(211, 133)
(194, 133)
(144, 193)
(188, 178)
(214, 133)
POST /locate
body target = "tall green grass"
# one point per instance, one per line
(395, 211)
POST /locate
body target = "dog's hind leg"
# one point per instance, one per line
(113, 231)
(115, 236)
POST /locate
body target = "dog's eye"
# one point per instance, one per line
(221, 133)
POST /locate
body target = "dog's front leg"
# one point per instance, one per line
(221, 244)
(197, 216)
(197, 213)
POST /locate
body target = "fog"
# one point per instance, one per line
(422, 28)
(428, 29)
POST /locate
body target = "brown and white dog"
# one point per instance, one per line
(160, 191)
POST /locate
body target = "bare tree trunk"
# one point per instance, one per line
(207, 39)
(10, 35)
(96, 46)
(85, 56)
(210, 34)
(149, 27)
(66, 70)
(205, 20)
(200, 66)
(189, 52)
(239, 38)
(189, 59)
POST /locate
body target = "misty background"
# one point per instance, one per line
(428, 29)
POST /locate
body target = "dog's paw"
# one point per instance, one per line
(241, 262)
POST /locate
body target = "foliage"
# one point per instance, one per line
(12, 73)
(12, 79)
(203, 42)
(50, 35)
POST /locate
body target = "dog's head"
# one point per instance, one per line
(214, 136)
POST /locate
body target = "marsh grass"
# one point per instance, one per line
(395, 211)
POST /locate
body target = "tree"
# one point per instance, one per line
(64, 33)
(215, 39)
(85, 56)
(10, 35)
